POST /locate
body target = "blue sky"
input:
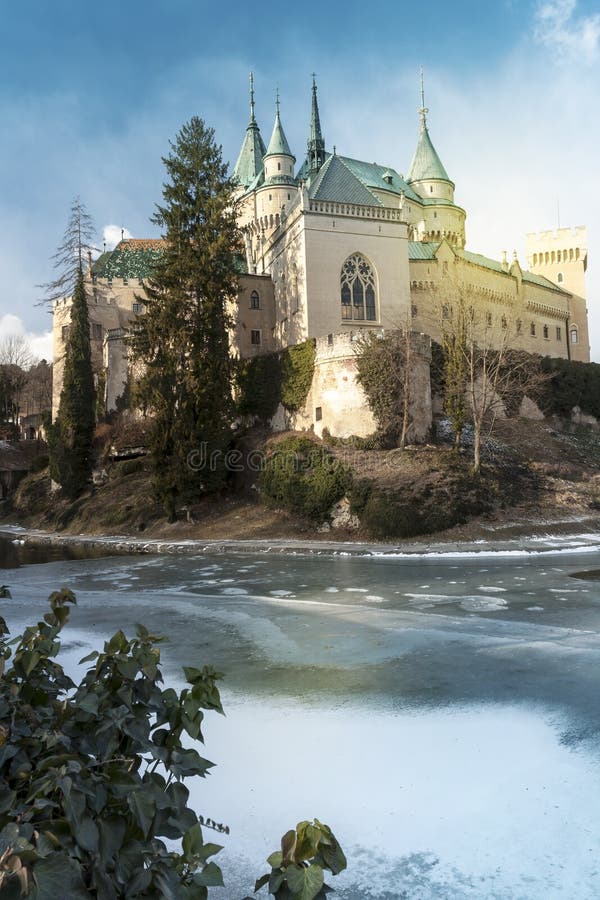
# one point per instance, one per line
(91, 94)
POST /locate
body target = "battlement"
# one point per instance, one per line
(344, 344)
(571, 236)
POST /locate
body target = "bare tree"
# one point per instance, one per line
(16, 359)
(15, 351)
(69, 257)
(483, 365)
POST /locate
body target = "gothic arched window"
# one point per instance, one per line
(254, 300)
(357, 289)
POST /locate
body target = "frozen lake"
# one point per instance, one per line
(441, 715)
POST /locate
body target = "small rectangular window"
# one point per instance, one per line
(532, 329)
(318, 413)
(65, 333)
(255, 337)
(558, 333)
(330, 340)
(96, 332)
(137, 308)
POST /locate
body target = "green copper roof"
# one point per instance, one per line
(422, 250)
(130, 259)
(278, 144)
(250, 161)
(372, 174)
(479, 260)
(426, 164)
(336, 182)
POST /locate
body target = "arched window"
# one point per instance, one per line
(546, 332)
(357, 289)
(532, 329)
(560, 277)
(574, 335)
(254, 300)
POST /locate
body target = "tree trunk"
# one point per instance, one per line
(476, 446)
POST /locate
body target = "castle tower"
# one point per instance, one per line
(278, 186)
(429, 179)
(561, 256)
(250, 160)
(279, 159)
(315, 155)
(427, 176)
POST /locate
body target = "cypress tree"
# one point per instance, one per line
(182, 341)
(71, 435)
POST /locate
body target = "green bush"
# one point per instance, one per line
(304, 477)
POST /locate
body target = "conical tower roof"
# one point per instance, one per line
(250, 161)
(278, 144)
(426, 164)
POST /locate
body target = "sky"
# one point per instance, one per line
(91, 95)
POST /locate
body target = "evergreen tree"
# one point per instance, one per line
(182, 341)
(71, 435)
(68, 259)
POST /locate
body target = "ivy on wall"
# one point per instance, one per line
(266, 381)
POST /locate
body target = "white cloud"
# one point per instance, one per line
(39, 344)
(112, 234)
(574, 37)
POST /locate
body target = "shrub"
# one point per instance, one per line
(304, 477)
(84, 801)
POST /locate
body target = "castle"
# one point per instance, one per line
(338, 246)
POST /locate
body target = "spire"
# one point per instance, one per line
(249, 162)
(426, 164)
(315, 156)
(423, 111)
(278, 145)
(252, 119)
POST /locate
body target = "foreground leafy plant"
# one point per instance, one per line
(297, 870)
(91, 776)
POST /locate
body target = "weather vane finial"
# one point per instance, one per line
(423, 109)
(277, 99)
(252, 95)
